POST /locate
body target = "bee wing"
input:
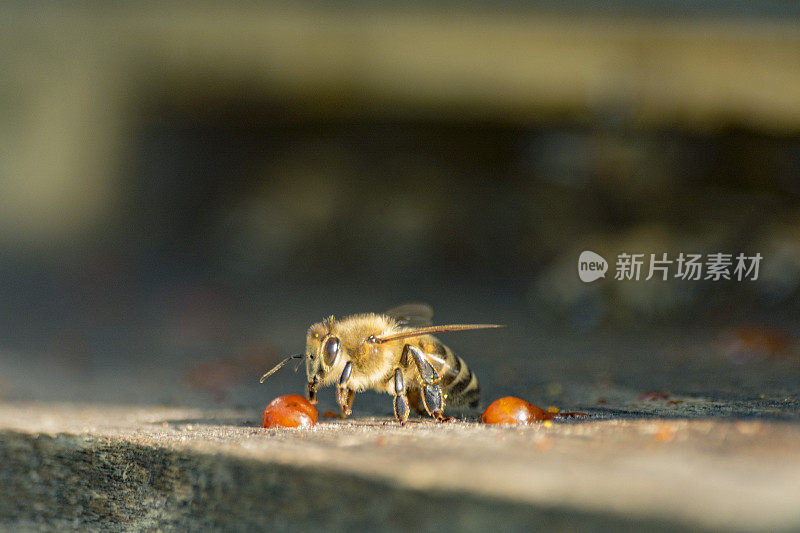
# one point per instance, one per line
(412, 315)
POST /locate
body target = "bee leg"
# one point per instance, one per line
(434, 403)
(345, 396)
(426, 370)
(345, 377)
(312, 391)
(431, 391)
(400, 399)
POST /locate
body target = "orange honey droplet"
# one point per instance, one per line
(289, 411)
(511, 410)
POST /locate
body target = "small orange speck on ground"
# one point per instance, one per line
(548, 423)
(552, 409)
(653, 396)
(664, 433)
(746, 344)
(330, 414)
(601, 400)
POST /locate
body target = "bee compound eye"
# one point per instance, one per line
(330, 351)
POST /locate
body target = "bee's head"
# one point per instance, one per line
(323, 351)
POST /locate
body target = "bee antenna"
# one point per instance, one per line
(279, 365)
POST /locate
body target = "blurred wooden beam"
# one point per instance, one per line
(76, 80)
(519, 67)
(504, 65)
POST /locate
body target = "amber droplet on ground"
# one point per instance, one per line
(330, 414)
(511, 410)
(289, 411)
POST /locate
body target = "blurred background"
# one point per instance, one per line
(184, 189)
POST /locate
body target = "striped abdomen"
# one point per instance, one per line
(459, 385)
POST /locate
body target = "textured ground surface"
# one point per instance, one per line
(126, 467)
(118, 439)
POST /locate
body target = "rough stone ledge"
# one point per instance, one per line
(78, 466)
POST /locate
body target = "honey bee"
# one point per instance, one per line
(394, 352)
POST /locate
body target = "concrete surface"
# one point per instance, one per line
(78, 466)
(151, 432)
